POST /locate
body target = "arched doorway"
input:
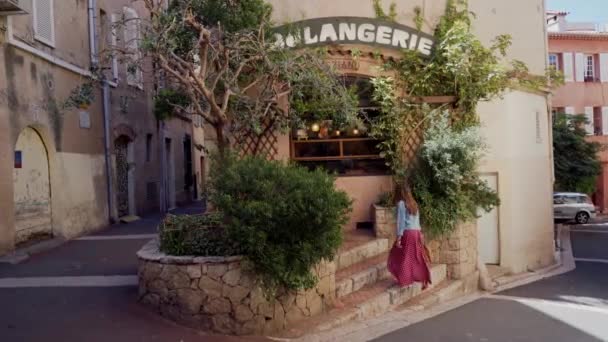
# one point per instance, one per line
(125, 167)
(32, 188)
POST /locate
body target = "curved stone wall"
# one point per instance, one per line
(217, 294)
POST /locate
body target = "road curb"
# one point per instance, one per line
(22, 254)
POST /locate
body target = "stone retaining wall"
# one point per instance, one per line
(458, 250)
(217, 294)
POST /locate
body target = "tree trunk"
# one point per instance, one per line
(223, 144)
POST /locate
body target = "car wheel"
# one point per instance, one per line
(582, 217)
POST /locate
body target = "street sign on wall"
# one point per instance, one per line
(354, 30)
(18, 159)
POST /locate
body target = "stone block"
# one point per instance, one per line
(224, 324)
(217, 306)
(217, 271)
(374, 306)
(256, 298)
(210, 287)
(151, 299)
(168, 271)
(253, 327)
(294, 314)
(243, 313)
(180, 280)
(158, 287)
(194, 271)
(247, 279)
(190, 301)
(236, 294)
(367, 277)
(265, 309)
(314, 304)
(232, 277)
(301, 301)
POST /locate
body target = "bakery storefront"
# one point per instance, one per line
(357, 48)
(519, 234)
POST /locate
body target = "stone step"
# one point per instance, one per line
(359, 275)
(361, 252)
(370, 301)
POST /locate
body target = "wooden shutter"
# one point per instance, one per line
(132, 37)
(604, 120)
(589, 116)
(44, 26)
(114, 43)
(568, 67)
(581, 66)
(603, 67)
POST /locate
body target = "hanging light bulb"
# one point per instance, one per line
(315, 127)
(337, 133)
(355, 131)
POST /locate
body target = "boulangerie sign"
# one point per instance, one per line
(354, 30)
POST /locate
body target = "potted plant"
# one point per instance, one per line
(384, 216)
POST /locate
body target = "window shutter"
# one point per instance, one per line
(604, 120)
(604, 67)
(570, 110)
(44, 28)
(114, 43)
(131, 35)
(581, 65)
(568, 67)
(589, 116)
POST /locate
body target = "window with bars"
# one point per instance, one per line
(349, 152)
(590, 68)
(44, 22)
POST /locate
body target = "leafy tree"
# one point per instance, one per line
(225, 66)
(576, 160)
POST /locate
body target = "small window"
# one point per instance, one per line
(590, 68)
(44, 24)
(554, 61)
(148, 147)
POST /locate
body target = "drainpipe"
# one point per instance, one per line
(92, 6)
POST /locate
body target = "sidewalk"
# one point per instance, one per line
(85, 290)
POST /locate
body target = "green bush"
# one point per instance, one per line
(200, 235)
(286, 218)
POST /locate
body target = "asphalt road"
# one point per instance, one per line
(81, 313)
(572, 307)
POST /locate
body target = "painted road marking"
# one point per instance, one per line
(84, 281)
(536, 302)
(601, 261)
(117, 237)
(589, 231)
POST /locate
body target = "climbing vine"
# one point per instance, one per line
(442, 168)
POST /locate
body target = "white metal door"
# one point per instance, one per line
(487, 229)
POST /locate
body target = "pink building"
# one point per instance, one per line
(580, 51)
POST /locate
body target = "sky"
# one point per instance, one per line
(582, 10)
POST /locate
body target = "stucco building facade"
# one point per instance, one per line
(62, 173)
(519, 234)
(580, 51)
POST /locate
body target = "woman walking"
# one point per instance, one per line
(408, 260)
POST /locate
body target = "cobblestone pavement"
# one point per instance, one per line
(85, 290)
(570, 307)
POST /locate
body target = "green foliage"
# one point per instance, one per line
(286, 218)
(577, 163)
(446, 183)
(81, 96)
(381, 14)
(386, 199)
(198, 235)
(231, 16)
(167, 100)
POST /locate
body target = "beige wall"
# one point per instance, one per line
(32, 91)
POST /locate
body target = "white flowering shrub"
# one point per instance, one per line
(451, 154)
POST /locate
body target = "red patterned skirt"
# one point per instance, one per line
(410, 263)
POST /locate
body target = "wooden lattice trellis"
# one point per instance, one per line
(264, 145)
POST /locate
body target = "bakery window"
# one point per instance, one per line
(347, 152)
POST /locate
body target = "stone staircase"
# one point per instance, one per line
(364, 287)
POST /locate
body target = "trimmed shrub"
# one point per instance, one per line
(285, 218)
(199, 235)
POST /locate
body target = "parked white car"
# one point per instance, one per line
(573, 206)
